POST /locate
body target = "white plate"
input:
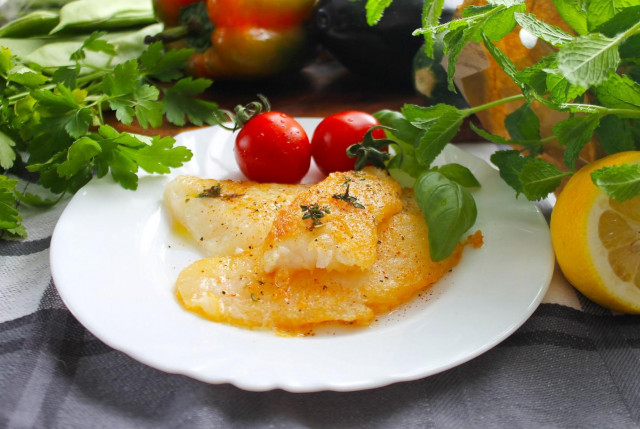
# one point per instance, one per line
(114, 260)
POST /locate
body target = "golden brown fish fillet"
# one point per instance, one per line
(236, 220)
(351, 205)
(237, 290)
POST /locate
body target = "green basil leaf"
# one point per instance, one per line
(449, 210)
(459, 174)
(402, 128)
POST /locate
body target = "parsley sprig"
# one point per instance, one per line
(52, 120)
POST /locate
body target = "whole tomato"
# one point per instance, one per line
(335, 134)
(273, 147)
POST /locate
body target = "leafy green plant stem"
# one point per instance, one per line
(472, 110)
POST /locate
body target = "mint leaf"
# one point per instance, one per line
(179, 102)
(502, 23)
(539, 178)
(589, 60)
(549, 33)
(620, 182)
(560, 89)
(623, 20)
(448, 209)
(532, 146)
(573, 13)
(431, 12)
(459, 174)
(601, 11)
(440, 124)
(453, 43)
(510, 164)
(503, 61)
(375, 10)
(523, 123)
(575, 133)
(619, 92)
(615, 134)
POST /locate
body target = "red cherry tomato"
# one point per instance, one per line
(335, 134)
(273, 147)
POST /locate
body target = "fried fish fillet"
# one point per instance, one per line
(237, 290)
(226, 217)
(333, 224)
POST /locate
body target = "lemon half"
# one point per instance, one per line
(597, 239)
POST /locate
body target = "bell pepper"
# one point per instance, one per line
(168, 11)
(250, 39)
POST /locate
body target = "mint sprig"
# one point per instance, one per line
(594, 77)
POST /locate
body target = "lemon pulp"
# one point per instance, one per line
(619, 233)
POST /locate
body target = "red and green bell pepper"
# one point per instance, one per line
(249, 39)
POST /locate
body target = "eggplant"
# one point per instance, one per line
(381, 52)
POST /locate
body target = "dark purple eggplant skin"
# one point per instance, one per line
(381, 52)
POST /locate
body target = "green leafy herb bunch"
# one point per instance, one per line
(592, 76)
(53, 120)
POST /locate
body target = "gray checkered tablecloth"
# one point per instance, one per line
(573, 364)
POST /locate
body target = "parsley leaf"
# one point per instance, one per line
(10, 219)
(164, 65)
(179, 102)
